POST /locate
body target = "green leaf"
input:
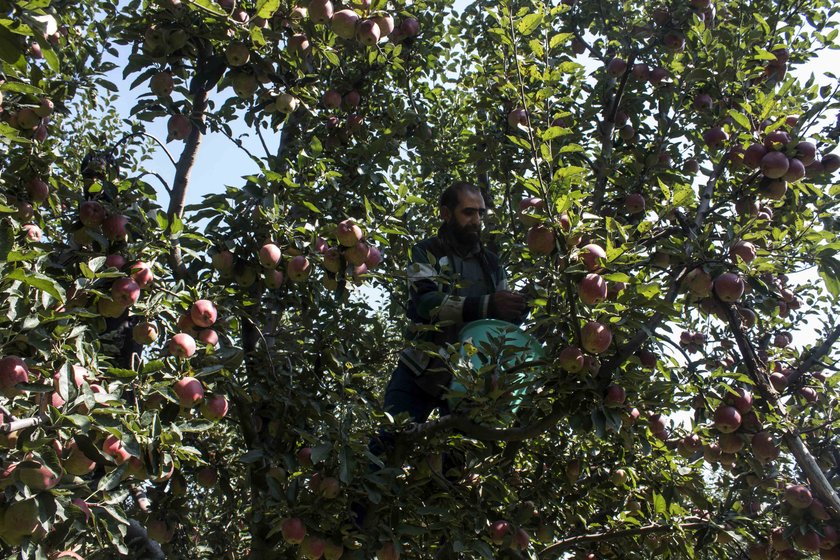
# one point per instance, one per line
(120, 373)
(741, 119)
(20, 87)
(659, 504)
(266, 8)
(112, 479)
(559, 38)
(555, 132)
(529, 23)
(829, 269)
(252, 456)
(321, 452)
(8, 48)
(209, 6)
(763, 22)
(39, 282)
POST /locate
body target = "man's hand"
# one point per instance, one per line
(507, 306)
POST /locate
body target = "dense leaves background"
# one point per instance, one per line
(589, 106)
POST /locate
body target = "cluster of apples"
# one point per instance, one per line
(368, 29)
(196, 323)
(352, 251)
(294, 532)
(30, 119)
(339, 131)
(811, 529)
(37, 193)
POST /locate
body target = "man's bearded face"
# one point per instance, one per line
(465, 220)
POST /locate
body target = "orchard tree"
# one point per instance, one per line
(204, 380)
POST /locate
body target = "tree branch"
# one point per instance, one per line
(819, 484)
(555, 549)
(607, 129)
(17, 425)
(182, 175)
(814, 355)
(708, 191)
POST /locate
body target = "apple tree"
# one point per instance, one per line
(203, 380)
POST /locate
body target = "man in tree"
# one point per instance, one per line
(453, 280)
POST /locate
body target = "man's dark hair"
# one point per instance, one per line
(450, 196)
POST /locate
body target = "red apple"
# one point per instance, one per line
(13, 370)
(77, 463)
(333, 551)
(616, 66)
(237, 54)
(182, 345)
(189, 391)
(320, 11)
(727, 419)
(223, 261)
(113, 447)
(331, 99)
(702, 102)
(571, 359)
(32, 232)
(528, 207)
(592, 289)
(348, 233)
(540, 240)
(591, 256)
(830, 163)
(799, 496)
(208, 336)
(298, 269)
(143, 274)
(754, 154)
(806, 152)
(698, 282)
(298, 44)
(91, 213)
(162, 84)
(614, 396)
(743, 249)
(293, 530)
(178, 127)
(641, 71)
(795, 172)
(125, 291)
(388, 551)
(115, 227)
(214, 407)
(715, 137)
(730, 443)
(634, 203)
(774, 165)
(286, 103)
(385, 23)
(207, 477)
(729, 287)
(367, 33)
(203, 313)
(517, 117)
(344, 23)
(144, 333)
(595, 337)
(38, 478)
(357, 254)
(351, 100)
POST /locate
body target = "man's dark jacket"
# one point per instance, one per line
(449, 284)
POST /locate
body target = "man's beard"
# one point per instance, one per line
(466, 235)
